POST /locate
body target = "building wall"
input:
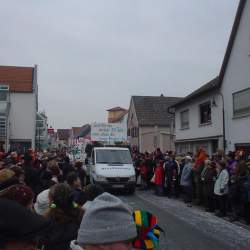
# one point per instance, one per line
(193, 146)
(196, 130)
(197, 135)
(132, 122)
(236, 78)
(113, 115)
(155, 137)
(22, 117)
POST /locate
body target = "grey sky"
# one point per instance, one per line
(93, 55)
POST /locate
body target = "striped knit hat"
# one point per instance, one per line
(147, 229)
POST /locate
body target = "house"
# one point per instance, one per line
(117, 115)
(41, 131)
(73, 133)
(235, 82)
(198, 120)
(150, 124)
(18, 107)
(85, 132)
(63, 137)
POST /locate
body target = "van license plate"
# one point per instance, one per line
(118, 186)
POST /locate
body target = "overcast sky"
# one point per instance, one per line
(93, 55)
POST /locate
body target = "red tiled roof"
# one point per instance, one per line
(117, 119)
(63, 134)
(117, 109)
(76, 130)
(19, 79)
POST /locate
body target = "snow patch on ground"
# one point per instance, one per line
(219, 229)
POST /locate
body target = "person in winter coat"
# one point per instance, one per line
(159, 178)
(19, 193)
(19, 228)
(150, 164)
(244, 189)
(65, 216)
(74, 182)
(32, 175)
(197, 168)
(233, 197)
(81, 173)
(53, 167)
(66, 167)
(158, 155)
(144, 174)
(186, 180)
(107, 224)
(221, 188)
(171, 173)
(42, 202)
(208, 177)
(92, 191)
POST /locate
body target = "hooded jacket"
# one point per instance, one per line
(75, 246)
(221, 184)
(42, 202)
(186, 180)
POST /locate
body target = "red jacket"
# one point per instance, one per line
(143, 170)
(159, 175)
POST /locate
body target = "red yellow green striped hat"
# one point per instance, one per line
(147, 229)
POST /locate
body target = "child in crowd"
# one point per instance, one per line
(159, 178)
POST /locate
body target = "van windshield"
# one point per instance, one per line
(113, 156)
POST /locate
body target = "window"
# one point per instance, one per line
(128, 132)
(185, 119)
(109, 156)
(39, 124)
(3, 96)
(205, 113)
(2, 126)
(241, 102)
(134, 132)
(4, 108)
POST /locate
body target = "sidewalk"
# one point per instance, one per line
(208, 223)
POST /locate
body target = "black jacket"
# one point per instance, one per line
(59, 236)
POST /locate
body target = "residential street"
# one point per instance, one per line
(189, 228)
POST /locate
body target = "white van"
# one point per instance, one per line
(112, 168)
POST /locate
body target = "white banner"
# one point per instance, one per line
(108, 132)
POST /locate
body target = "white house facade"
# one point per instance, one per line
(19, 104)
(235, 82)
(198, 120)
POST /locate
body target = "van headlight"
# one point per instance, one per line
(100, 178)
(132, 178)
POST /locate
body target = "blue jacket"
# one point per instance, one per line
(186, 179)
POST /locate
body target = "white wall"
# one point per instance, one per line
(237, 77)
(132, 122)
(195, 129)
(155, 137)
(22, 116)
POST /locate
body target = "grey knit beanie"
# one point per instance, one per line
(107, 220)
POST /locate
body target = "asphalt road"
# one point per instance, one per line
(189, 228)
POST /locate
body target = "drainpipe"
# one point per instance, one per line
(223, 122)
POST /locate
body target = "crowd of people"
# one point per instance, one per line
(220, 183)
(46, 203)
